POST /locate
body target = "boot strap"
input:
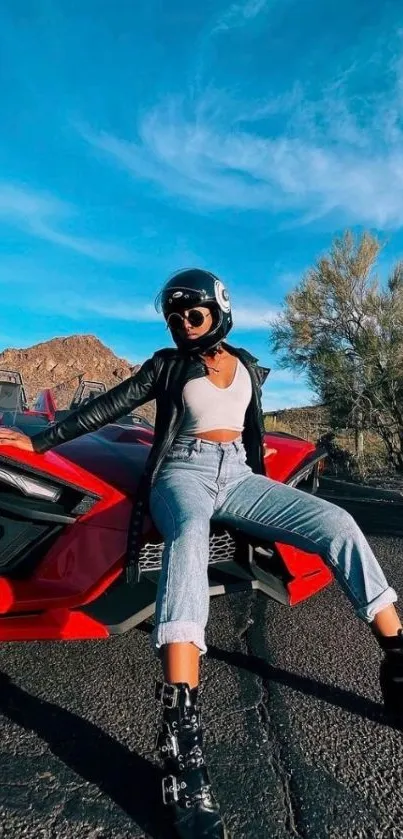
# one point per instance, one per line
(168, 694)
(187, 788)
(186, 732)
(174, 695)
(170, 748)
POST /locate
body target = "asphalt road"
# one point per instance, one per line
(297, 740)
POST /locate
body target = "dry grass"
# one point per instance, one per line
(342, 461)
(344, 438)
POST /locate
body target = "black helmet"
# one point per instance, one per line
(196, 287)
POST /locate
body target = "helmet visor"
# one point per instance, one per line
(174, 299)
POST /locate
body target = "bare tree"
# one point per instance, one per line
(344, 330)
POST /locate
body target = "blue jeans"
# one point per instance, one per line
(202, 481)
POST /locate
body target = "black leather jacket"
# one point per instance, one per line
(162, 378)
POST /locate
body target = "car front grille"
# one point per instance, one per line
(222, 548)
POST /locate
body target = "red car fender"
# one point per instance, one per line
(52, 625)
(287, 454)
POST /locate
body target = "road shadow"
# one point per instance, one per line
(339, 697)
(128, 779)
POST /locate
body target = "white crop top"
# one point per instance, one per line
(208, 407)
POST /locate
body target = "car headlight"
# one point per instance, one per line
(30, 486)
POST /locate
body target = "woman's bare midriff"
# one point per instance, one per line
(219, 435)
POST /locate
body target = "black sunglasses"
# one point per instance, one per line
(176, 321)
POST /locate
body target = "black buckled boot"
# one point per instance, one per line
(391, 673)
(186, 787)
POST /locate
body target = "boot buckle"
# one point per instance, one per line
(169, 746)
(170, 789)
(167, 694)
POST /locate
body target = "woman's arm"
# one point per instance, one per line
(109, 406)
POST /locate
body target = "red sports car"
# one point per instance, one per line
(64, 522)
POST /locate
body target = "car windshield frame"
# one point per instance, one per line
(12, 397)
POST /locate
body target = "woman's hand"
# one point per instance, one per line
(268, 452)
(12, 437)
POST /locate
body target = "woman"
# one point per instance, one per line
(207, 463)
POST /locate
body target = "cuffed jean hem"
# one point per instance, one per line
(368, 612)
(179, 632)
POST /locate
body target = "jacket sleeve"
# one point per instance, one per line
(109, 406)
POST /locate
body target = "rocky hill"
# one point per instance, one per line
(60, 363)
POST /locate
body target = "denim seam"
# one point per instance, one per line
(328, 553)
(171, 550)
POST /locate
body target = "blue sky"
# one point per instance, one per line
(143, 136)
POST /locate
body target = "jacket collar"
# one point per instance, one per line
(194, 363)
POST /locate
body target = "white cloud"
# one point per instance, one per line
(40, 215)
(327, 162)
(253, 318)
(238, 14)
(75, 306)
(124, 311)
(240, 170)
